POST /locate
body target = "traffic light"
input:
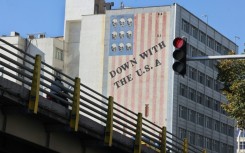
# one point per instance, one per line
(179, 55)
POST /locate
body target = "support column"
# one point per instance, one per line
(35, 86)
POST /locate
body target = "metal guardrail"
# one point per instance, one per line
(38, 76)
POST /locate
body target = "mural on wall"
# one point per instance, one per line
(137, 61)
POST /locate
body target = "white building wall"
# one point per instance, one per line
(92, 51)
(74, 9)
(72, 43)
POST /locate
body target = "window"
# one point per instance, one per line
(200, 119)
(209, 102)
(216, 85)
(216, 145)
(208, 122)
(193, 51)
(183, 112)
(200, 140)
(183, 90)
(225, 50)
(230, 131)
(217, 126)
(185, 26)
(223, 148)
(194, 31)
(192, 116)
(200, 53)
(182, 133)
(210, 42)
(209, 82)
(216, 105)
(242, 145)
(200, 98)
(210, 63)
(218, 47)
(230, 149)
(192, 73)
(202, 37)
(208, 143)
(223, 128)
(201, 77)
(191, 137)
(59, 54)
(192, 94)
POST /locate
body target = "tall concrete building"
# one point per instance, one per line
(127, 53)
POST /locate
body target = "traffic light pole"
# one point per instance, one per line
(216, 57)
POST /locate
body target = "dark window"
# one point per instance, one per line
(210, 42)
(208, 122)
(231, 131)
(217, 105)
(200, 98)
(191, 137)
(216, 125)
(218, 47)
(182, 133)
(208, 143)
(216, 145)
(202, 37)
(200, 119)
(192, 116)
(192, 94)
(183, 112)
(192, 73)
(194, 31)
(223, 128)
(200, 140)
(201, 77)
(209, 102)
(185, 26)
(183, 90)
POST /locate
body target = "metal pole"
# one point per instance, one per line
(216, 57)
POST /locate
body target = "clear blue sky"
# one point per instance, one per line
(34, 16)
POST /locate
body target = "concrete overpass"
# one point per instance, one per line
(91, 123)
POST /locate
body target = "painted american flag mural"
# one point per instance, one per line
(137, 62)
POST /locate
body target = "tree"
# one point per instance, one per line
(232, 75)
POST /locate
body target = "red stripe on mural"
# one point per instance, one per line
(126, 90)
(120, 77)
(161, 114)
(142, 37)
(155, 74)
(134, 50)
(149, 45)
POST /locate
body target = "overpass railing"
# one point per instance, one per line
(31, 72)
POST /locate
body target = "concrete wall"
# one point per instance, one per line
(92, 51)
(72, 43)
(74, 9)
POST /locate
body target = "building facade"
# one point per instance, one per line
(135, 60)
(127, 53)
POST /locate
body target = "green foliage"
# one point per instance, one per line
(232, 74)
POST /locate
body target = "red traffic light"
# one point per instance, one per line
(179, 55)
(178, 42)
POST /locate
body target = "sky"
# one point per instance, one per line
(47, 16)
